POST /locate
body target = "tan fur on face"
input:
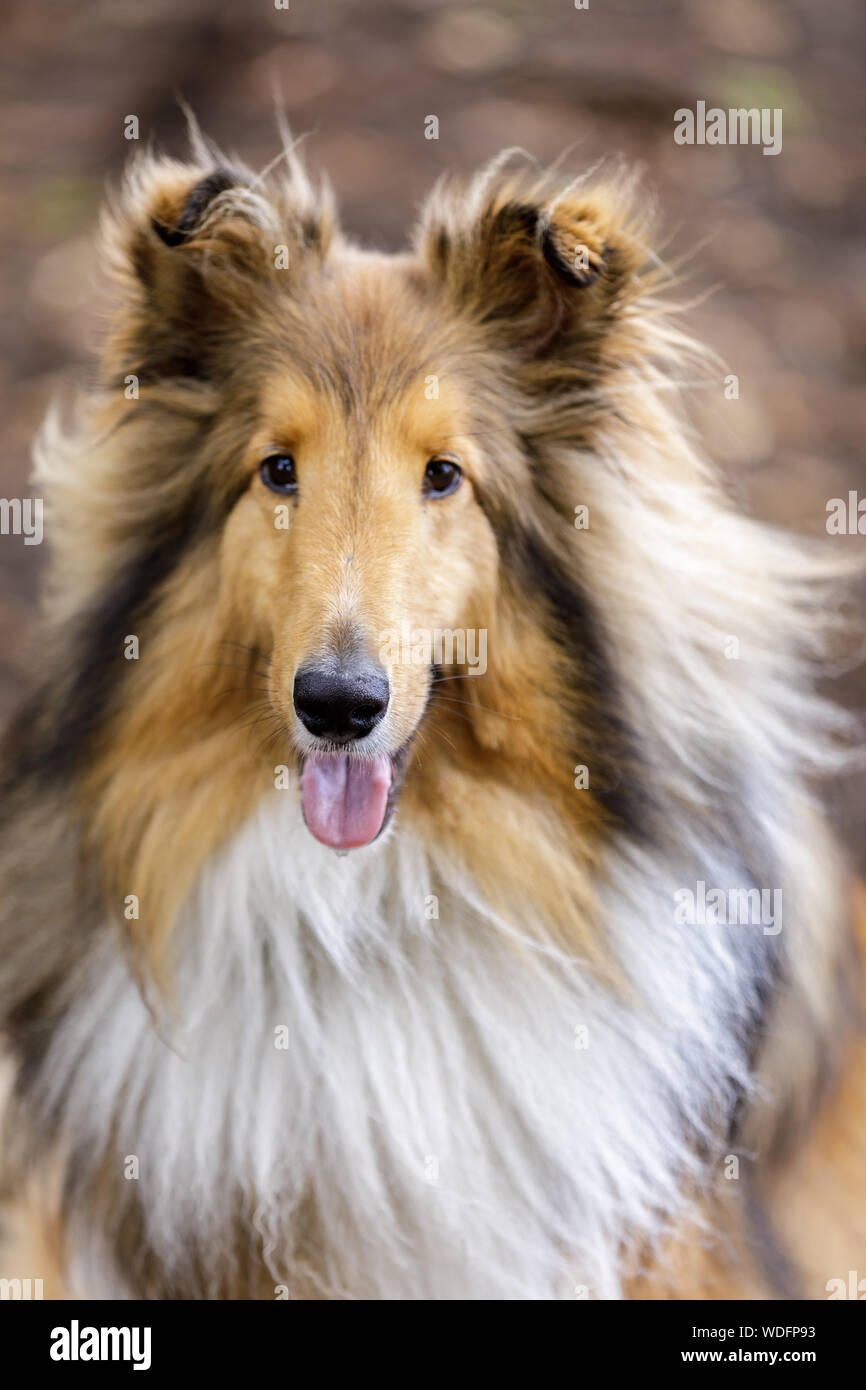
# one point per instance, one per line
(363, 555)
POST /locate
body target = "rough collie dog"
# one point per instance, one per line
(337, 962)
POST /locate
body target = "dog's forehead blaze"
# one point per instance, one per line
(360, 378)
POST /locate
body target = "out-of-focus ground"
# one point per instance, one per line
(780, 237)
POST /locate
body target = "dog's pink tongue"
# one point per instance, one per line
(344, 799)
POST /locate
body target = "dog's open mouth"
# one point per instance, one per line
(348, 801)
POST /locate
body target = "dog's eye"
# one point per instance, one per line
(441, 477)
(278, 473)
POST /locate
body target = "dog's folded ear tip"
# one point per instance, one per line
(198, 200)
(582, 268)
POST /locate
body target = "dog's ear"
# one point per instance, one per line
(532, 264)
(196, 250)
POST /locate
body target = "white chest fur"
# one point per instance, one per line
(475, 1117)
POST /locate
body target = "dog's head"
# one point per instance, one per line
(332, 469)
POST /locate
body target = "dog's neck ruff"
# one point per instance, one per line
(466, 1113)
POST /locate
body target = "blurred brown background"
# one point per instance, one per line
(780, 237)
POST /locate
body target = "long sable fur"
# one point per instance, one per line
(699, 761)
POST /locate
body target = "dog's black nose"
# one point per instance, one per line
(341, 703)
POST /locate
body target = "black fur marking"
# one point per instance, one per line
(766, 1248)
(195, 207)
(311, 231)
(620, 781)
(516, 217)
(621, 787)
(442, 247)
(54, 733)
